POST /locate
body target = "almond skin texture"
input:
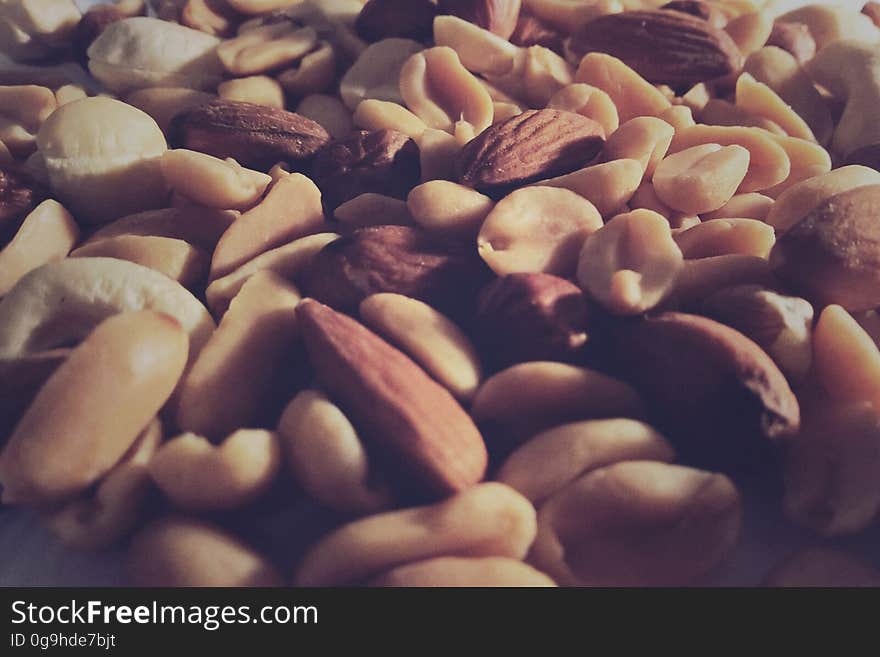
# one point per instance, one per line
(664, 47)
(419, 433)
(531, 146)
(443, 273)
(256, 136)
(497, 16)
(832, 256)
(715, 393)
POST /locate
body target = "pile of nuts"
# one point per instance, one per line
(441, 292)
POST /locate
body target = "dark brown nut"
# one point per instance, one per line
(822, 567)
(715, 393)
(780, 325)
(256, 136)
(532, 31)
(399, 259)
(637, 523)
(422, 437)
(534, 145)
(664, 47)
(831, 485)
(794, 38)
(382, 162)
(832, 256)
(705, 10)
(497, 16)
(20, 193)
(406, 19)
(531, 316)
(90, 27)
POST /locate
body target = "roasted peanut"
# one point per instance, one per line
(376, 72)
(632, 95)
(265, 48)
(371, 209)
(258, 89)
(212, 182)
(701, 178)
(458, 571)
(592, 102)
(329, 111)
(448, 208)
(607, 186)
(715, 237)
(644, 138)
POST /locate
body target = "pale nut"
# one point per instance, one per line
(758, 98)
(715, 237)
(847, 361)
(198, 476)
(750, 32)
(212, 182)
(780, 325)
(240, 375)
(830, 485)
(822, 567)
(371, 209)
(498, 17)
(313, 73)
(214, 17)
(257, 89)
(163, 103)
(376, 72)
(720, 112)
(287, 262)
(290, 209)
(678, 116)
(440, 91)
(266, 48)
(537, 229)
(630, 264)
(829, 23)
(608, 186)
(589, 101)
(479, 50)
(554, 458)
(374, 114)
(808, 160)
(329, 112)
(427, 336)
(448, 208)
(68, 93)
(632, 94)
(744, 206)
(544, 73)
(93, 407)
(704, 276)
(438, 151)
(464, 572)
(47, 234)
(687, 521)
(701, 178)
(34, 30)
(179, 551)
(327, 457)
(489, 519)
(258, 7)
(23, 109)
(644, 138)
(101, 518)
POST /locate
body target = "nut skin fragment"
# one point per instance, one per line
(92, 408)
(416, 427)
(714, 392)
(465, 572)
(637, 523)
(490, 519)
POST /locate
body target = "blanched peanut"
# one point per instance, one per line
(48, 233)
(504, 111)
(489, 519)
(440, 91)
(757, 98)
(239, 372)
(257, 89)
(448, 208)
(644, 138)
(376, 72)
(374, 114)
(537, 229)
(822, 567)
(265, 48)
(721, 112)
(700, 278)
(212, 182)
(768, 162)
(828, 24)
(179, 551)
(285, 261)
(92, 408)
(800, 199)
(556, 457)
(163, 103)
(215, 17)
(544, 73)
(631, 263)
(437, 153)
(716, 237)
(459, 571)
(257, 7)
(372, 210)
(312, 74)
(290, 209)
(567, 16)
(588, 101)
(608, 186)
(807, 158)
(678, 116)
(743, 206)
(637, 523)
(23, 109)
(427, 336)
(177, 259)
(480, 50)
(646, 198)
(198, 476)
(69, 93)
(701, 178)
(830, 470)
(100, 519)
(632, 94)
(329, 111)
(750, 31)
(327, 456)
(847, 362)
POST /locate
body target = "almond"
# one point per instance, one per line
(420, 434)
(404, 19)
(497, 16)
(664, 47)
(256, 136)
(531, 146)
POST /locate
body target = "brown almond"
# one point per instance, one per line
(715, 393)
(403, 19)
(497, 16)
(420, 434)
(256, 136)
(664, 47)
(532, 31)
(531, 146)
